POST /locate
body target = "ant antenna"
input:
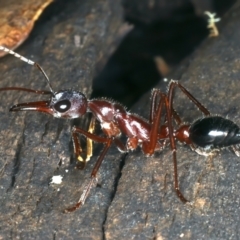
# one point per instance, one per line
(29, 62)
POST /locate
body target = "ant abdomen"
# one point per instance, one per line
(214, 132)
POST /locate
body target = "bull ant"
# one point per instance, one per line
(204, 135)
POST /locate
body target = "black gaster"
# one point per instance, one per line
(214, 132)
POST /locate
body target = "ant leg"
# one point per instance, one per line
(87, 189)
(155, 121)
(176, 117)
(174, 84)
(170, 112)
(153, 108)
(91, 129)
(121, 147)
(173, 147)
(89, 148)
(150, 146)
(77, 145)
(78, 149)
(108, 142)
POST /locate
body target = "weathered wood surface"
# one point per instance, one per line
(135, 197)
(145, 205)
(32, 144)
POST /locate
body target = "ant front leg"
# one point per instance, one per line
(155, 120)
(77, 145)
(108, 142)
(91, 129)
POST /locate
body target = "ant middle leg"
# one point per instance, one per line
(154, 107)
(149, 147)
(105, 140)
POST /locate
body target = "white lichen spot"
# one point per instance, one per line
(211, 24)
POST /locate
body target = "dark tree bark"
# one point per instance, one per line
(134, 198)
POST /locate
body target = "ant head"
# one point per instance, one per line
(68, 104)
(63, 104)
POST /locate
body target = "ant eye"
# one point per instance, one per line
(62, 106)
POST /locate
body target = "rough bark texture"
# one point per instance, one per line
(145, 205)
(134, 200)
(32, 144)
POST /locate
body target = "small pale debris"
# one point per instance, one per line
(162, 66)
(77, 40)
(181, 235)
(211, 24)
(66, 170)
(56, 179)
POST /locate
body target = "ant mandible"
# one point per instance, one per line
(205, 135)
